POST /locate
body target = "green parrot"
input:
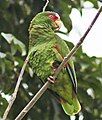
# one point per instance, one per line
(48, 51)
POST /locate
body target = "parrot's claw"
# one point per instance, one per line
(51, 79)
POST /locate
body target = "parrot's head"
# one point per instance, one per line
(48, 19)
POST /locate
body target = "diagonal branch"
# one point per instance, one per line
(14, 94)
(66, 59)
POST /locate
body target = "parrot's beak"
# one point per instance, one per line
(58, 24)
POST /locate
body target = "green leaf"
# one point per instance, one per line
(95, 3)
(4, 4)
(8, 37)
(3, 105)
(2, 65)
(65, 15)
(12, 39)
(86, 99)
(21, 45)
(2, 55)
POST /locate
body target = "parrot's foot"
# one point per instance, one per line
(51, 79)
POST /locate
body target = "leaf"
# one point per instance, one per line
(12, 39)
(85, 98)
(3, 105)
(13, 49)
(2, 55)
(95, 3)
(65, 15)
(4, 4)
(8, 37)
(2, 65)
(22, 46)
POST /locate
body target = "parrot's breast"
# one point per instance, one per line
(41, 62)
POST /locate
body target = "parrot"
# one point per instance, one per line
(48, 51)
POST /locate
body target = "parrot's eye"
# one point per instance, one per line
(54, 17)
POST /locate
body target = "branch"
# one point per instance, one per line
(66, 59)
(14, 94)
(46, 4)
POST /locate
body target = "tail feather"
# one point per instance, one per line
(71, 109)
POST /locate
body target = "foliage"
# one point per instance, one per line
(15, 17)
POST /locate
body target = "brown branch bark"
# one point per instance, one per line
(66, 59)
(13, 96)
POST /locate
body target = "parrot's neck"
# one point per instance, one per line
(39, 33)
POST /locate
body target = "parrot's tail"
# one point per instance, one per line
(71, 109)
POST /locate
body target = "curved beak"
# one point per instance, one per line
(58, 24)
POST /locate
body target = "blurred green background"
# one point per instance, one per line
(15, 17)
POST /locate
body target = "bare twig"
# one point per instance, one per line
(66, 59)
(33, 101)
(13, 96)
(46, 4)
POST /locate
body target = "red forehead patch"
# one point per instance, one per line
(53, 17)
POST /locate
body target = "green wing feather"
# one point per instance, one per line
(41, 62)
(73, 107)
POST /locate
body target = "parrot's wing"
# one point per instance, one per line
(70, 73)
(61, 50)
(72, 77)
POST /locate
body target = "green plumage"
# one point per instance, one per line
(48, 51)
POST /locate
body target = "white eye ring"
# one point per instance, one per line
(51, 16)
(54, 17)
